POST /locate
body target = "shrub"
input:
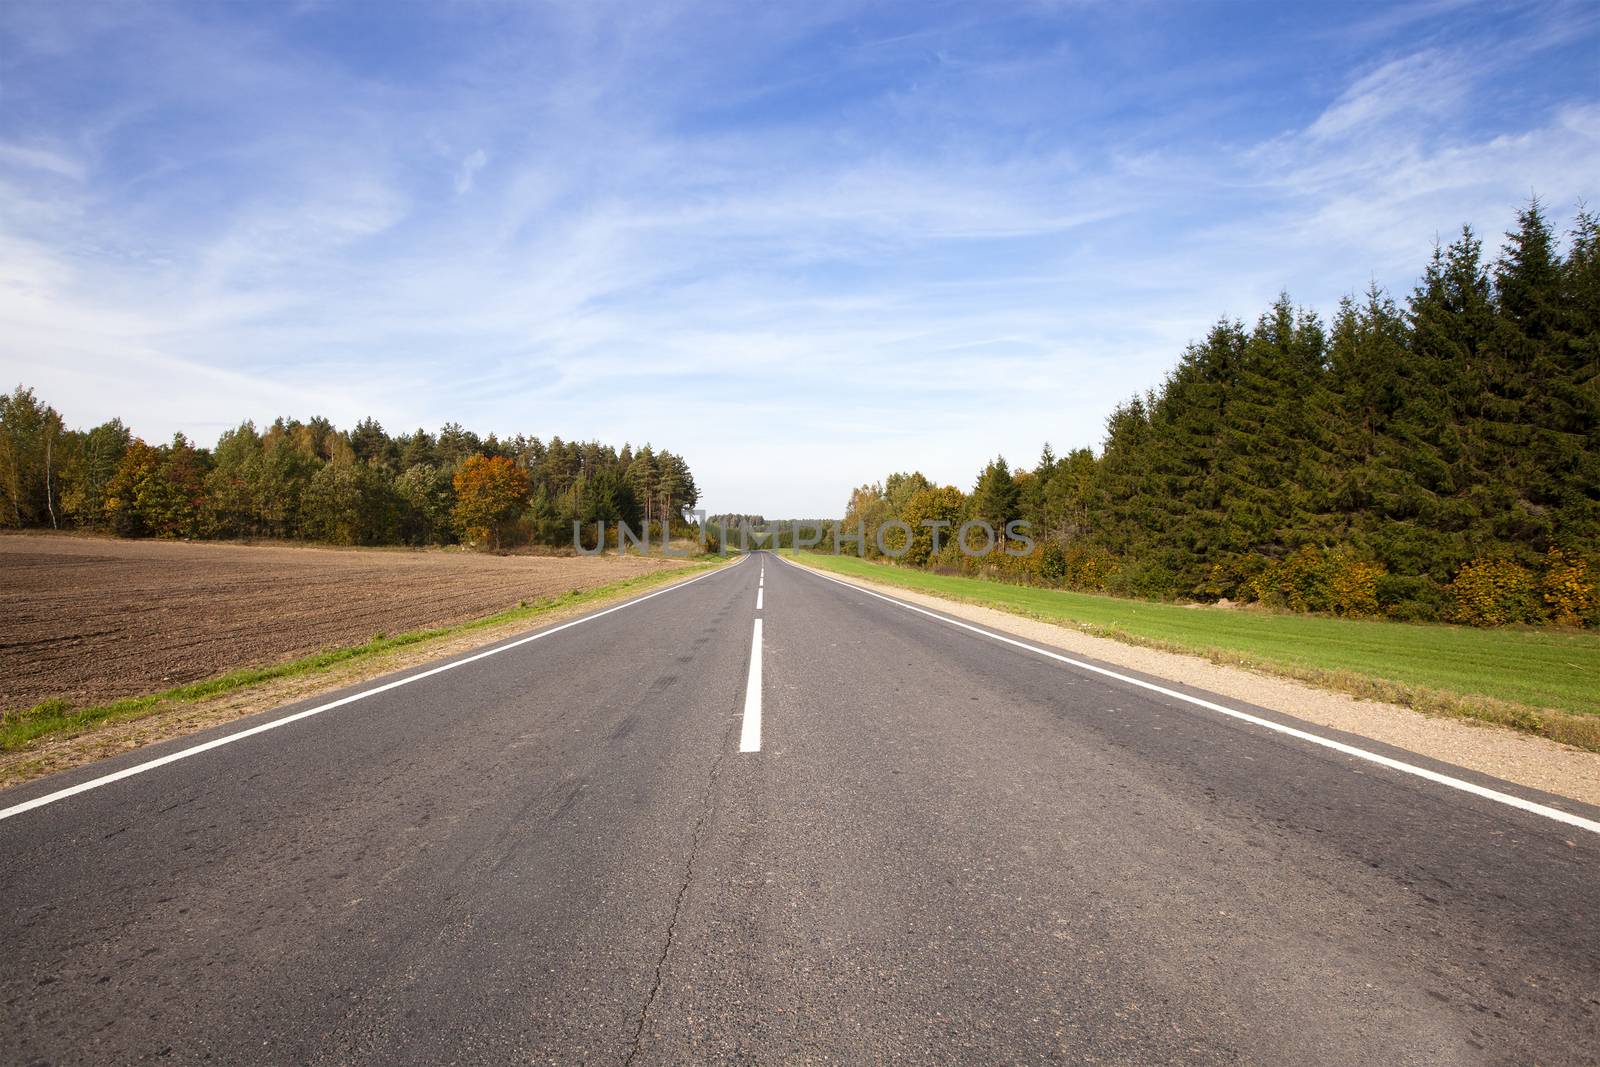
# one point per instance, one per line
(1409, 598)
(1052, 564)
(1232, 576)
(1298, 582)
(1011, 568)
(1146, 580)
(1090, 568)
(1353, 586)
(951, 561)
(1313, 580)
(1495, 592)
(1569, 593)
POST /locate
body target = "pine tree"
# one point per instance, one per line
(642, 474)
(1470, 505)
(1068, 497)
(608, 498)
(995, 498)
(370, 443)
(1264, 463)
(1036, 490)
(1186, 424)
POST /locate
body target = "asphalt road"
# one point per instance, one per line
(946, 850)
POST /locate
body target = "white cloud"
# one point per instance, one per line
(1428, 84)
(41, 159)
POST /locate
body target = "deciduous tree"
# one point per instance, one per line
(489, 491)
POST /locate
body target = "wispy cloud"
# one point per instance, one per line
(1428, 84)
(41, 159)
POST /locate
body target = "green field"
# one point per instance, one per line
(1446, 668)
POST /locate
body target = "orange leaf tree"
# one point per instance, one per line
(489, 491)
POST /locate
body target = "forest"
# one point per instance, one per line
(1433, 461)
(312, 481)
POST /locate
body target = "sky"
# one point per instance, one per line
(803, 245)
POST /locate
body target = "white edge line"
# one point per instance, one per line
(1255, 720)
(750, 731)
(218, 742)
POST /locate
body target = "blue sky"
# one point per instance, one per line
(802, 244)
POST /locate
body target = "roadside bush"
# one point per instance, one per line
(1052, 564)
(1027, 570)
(1353, 586)
(713, 536)
(1313, 580)
(1495, 592)
(1298, 582)
(1569, 592)
(1090, 568)
(1147, 580)
(1232, 576)
(951, 561)
(1408, 598)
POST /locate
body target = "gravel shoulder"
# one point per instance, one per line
(1526, 760)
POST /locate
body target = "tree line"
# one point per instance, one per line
(312, 481)
(1437, 460)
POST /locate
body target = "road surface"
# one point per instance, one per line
(927, 846)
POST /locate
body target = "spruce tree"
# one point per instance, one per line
(1264, 463)
(995, 498)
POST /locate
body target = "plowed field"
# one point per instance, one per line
(90, 620)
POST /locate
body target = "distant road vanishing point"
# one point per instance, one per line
(767, 816)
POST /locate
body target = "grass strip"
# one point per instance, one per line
(1539, 681)
(56, 717)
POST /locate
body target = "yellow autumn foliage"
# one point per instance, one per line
(1569, 592)
(1495, 592)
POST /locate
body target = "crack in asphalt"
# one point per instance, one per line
(683, 891)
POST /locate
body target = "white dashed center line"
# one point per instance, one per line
(750, 735)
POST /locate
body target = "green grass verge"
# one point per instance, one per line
(1542, 681)
(50, 718)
